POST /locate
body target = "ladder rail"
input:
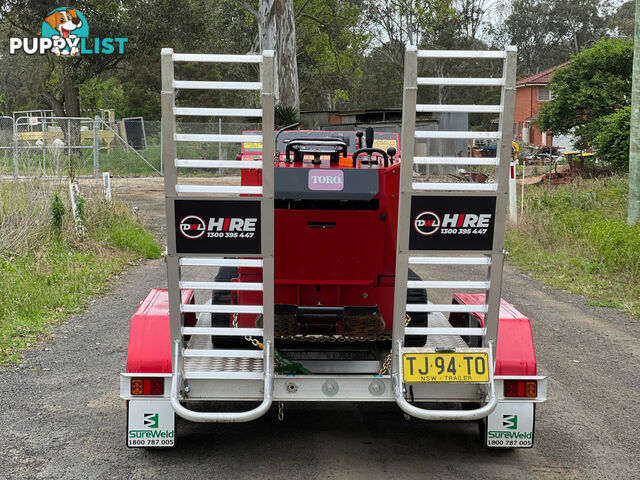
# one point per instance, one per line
(416, 252)
(180, 197)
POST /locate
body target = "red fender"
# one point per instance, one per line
(515, 354)
(150, 334)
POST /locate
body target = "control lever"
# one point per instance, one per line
(368, 136)
(391, 151)
(359, 135)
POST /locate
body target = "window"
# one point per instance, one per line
(544, 94)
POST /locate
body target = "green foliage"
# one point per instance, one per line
(616, 245)
(57, 212)
(612, 140)
(97, 94)
(331, 47)
(596, 83)
(547, 32)
(286, 115)
(131, 237)
(575, 238)
(44, 278)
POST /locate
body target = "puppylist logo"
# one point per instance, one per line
(65, 32)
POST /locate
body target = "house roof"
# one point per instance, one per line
(540, 78)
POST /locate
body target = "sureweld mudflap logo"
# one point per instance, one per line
(217, 226)
(451, 223)
(65, 32)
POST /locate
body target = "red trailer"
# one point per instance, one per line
(312, 273)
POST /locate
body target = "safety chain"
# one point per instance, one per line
(387, 361)
(280, 411)
(325, 338)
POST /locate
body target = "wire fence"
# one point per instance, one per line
(42, 146)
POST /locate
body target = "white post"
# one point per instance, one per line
(106, 181)
(74, 191)
(522, 199)
(513, 205)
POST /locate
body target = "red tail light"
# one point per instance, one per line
(147, 386)
(520, 388)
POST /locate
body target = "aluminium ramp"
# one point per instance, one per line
(212, 226)
(452, 224)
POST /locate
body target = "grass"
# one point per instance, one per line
(575, 238)
(46, 272)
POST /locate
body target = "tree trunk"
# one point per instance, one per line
(286, 55)
(68, 106)
(277, 32)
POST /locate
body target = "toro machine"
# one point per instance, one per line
(307, 280)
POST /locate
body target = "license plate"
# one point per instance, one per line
(450, 367)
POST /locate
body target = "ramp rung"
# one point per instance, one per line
(436, 108)
(207, 85)
(456, 135)
(217, 189)
(458, 187)
(461, 54)
(241, 286)
(474, 332)
(214, 137)
(447, 284)
(213, 353)
(202, 308)
(256, 332)
(455, 161)
(217, 112)
(223, 375)
(220, 262)
(217, 58)
(449, 261)
(467, 82)
(432, 307)
(218, 163)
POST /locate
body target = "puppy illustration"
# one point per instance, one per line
(65, 22)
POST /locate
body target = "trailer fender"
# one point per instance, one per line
(150, 334)
(515, 353)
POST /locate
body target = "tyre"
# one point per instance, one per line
(418, 319)
(223, 320)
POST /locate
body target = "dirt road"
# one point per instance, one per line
(62, 418)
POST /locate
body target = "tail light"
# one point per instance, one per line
(520, 388)
(147, 386)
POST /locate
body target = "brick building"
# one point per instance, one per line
(531, 92)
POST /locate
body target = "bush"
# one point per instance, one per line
(612, 140)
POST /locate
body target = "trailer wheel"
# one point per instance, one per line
(418, 319)
(223, 320)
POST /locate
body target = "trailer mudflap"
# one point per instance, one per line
(150, 423)
(510, 425)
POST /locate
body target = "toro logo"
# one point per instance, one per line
(192, 226)
(427, 223)
(326, 180)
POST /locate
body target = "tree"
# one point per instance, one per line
(547, 32)
(622, 20)
(277, 31)
(331, 45)
(595, 84)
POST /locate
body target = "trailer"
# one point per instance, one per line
(313, 280)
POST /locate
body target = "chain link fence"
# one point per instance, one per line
(62, 147)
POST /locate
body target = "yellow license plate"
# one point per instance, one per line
(457, 367)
